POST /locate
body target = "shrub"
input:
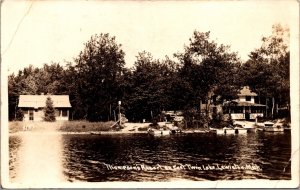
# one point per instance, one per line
(49, 110)
(86, 126)
(19, 115)
(142, 128)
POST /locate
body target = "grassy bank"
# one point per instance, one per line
(15, 126)
(85, 126)
(64, 126)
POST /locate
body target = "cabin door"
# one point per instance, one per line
(31, 115)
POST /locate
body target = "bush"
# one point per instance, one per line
(154, 125)
(142, 128)
(220, 124)
(19, 115)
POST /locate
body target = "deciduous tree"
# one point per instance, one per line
(97, 69)
(210, 69)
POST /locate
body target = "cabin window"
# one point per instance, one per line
(25, 111)
(248, 98)
(57, 113)
(64, 113)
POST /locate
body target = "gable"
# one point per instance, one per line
(246, 92)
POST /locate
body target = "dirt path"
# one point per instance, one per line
(40, 158)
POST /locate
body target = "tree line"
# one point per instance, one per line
(97, 78)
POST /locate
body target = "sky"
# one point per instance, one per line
(39, 32)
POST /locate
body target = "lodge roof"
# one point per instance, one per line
(246, 92)
(39, 101)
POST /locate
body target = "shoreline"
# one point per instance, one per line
(82, 133)
(112, 132)
(80, 127)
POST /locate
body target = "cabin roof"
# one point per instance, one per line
(246, 92)
(39, 101)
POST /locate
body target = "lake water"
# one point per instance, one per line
(140, 157)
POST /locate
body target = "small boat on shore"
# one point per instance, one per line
(200, 131)
(225, 130)
(229, 130)
(240, 130)
(175, 130)
(158, 132)
(271, 127)
(216, 131)
(95, 133)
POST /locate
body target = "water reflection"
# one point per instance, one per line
(86, 156)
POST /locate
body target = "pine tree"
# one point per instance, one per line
(49, 110)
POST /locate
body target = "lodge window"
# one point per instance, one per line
(256, 110)
(248, 98)
(237, 109)
(64, 113)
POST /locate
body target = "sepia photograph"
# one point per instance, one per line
(138, 94)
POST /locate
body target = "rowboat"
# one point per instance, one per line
(225, 130)
(240, 130)
(160, 132)
(216, 131)
(271, 127)
(229, 130)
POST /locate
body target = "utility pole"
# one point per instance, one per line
(16, 108)
(119, 104)
(200, 102)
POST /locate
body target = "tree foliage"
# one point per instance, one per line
(267, 70)
(97, 78)
(97, 69)
(209, 68)
(151, 83)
